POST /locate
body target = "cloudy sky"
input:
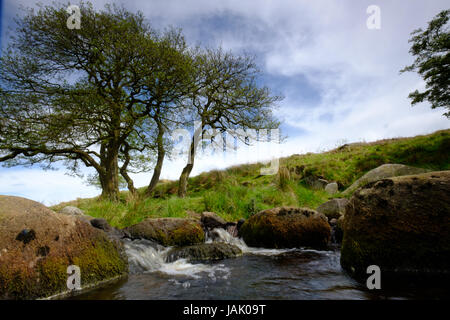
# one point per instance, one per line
(340, 79)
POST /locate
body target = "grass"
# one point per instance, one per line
(240, 191)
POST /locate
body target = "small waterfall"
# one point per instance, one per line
(222, 235)
(145, 257)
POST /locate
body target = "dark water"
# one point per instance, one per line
(299, 274)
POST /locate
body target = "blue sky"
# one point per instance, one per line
(340, 80)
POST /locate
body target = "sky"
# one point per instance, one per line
(340, 80)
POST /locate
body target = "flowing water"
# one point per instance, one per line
(258, 274)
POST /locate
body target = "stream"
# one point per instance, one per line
(303, 274)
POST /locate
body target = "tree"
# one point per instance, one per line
(84, 95)
(431, 47)
(225, 97)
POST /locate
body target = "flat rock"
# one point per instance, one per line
(204, 252)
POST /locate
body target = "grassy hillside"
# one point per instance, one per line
(241, 191)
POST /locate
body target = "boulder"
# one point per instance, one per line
(400, 224)
(332, 188)
(333, 208)
(71, 211)
(168, 231)
(37, 246)
(286, 227)
(382, 172)
(211, 220)
(239, 225)
(204, 252)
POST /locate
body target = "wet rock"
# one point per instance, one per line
(204, 252)
(286, 227)
(333, 208)
(400, 224)
(38, 269)
(240, 223)
(211, 220)
(231, 228)
(101, 224)
(382, 172)
(169, 231)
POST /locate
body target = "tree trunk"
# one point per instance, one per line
(159, 162)
(109, 178)
(123, 169)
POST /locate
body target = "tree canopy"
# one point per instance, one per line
(431, 48)
(106, 95)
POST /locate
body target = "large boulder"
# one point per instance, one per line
(286, 227)
(382, 172)
(169, 231)
(37, 245)
(400, 224)
(333, 208)
(204, 252)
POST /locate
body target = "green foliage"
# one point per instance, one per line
(431, 47)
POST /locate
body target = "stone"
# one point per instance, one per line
(382, 172)
(331, 188)
(168, 231)
(211, 220)
(37, 245)
(71, 211)
(204, 252)
(101, 224)
(286, 227)
(333, 208)
(401, 224)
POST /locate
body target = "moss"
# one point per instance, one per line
(188, 234)
(98, 261)
(286, 229)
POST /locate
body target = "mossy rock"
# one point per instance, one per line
(169, 231)
(204, 252)
(400, 224)
(286, 227)
(37, 245)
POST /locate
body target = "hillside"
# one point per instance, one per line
(240, 191)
